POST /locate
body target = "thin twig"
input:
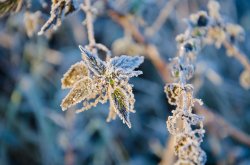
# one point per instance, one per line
(124, 22)
(168, 157)
(89, 22)
(93, 46)
(167, 9)
(216, 120)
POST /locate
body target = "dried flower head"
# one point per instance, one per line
(93, 80)
(235, 32)
(199, 19)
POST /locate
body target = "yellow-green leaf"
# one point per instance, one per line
(120, 103)
(81, 90)
(76, 72)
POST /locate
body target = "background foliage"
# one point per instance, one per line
(34, 130)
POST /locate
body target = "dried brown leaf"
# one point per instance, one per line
(76, 72)
(81, 90)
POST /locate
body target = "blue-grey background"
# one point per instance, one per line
(34, 130)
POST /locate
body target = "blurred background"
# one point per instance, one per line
(33, 128)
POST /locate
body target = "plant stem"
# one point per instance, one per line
(89, 23)
(242, 58)
(164, 71)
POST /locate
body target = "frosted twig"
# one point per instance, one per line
(89, 10)
(89, 22)
(164, 71)
(59, 9)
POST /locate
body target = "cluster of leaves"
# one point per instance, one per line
(93, 80)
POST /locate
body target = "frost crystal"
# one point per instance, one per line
(93, 80)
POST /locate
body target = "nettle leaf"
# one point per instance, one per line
(76, 72)
(121, 106)
(127, 63)
(81, 90)
(94, 63)
(131, 98)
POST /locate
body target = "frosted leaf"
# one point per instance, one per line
(129, 93)
(120, 103)
(172, 125)
(81, 90)
(91, 101)
(10, 6)
(94, 63)
(128, 74)
(74, 74)
(127, 63)
(173, 91)
(187, 148)
(194, 119)
(177, 69)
